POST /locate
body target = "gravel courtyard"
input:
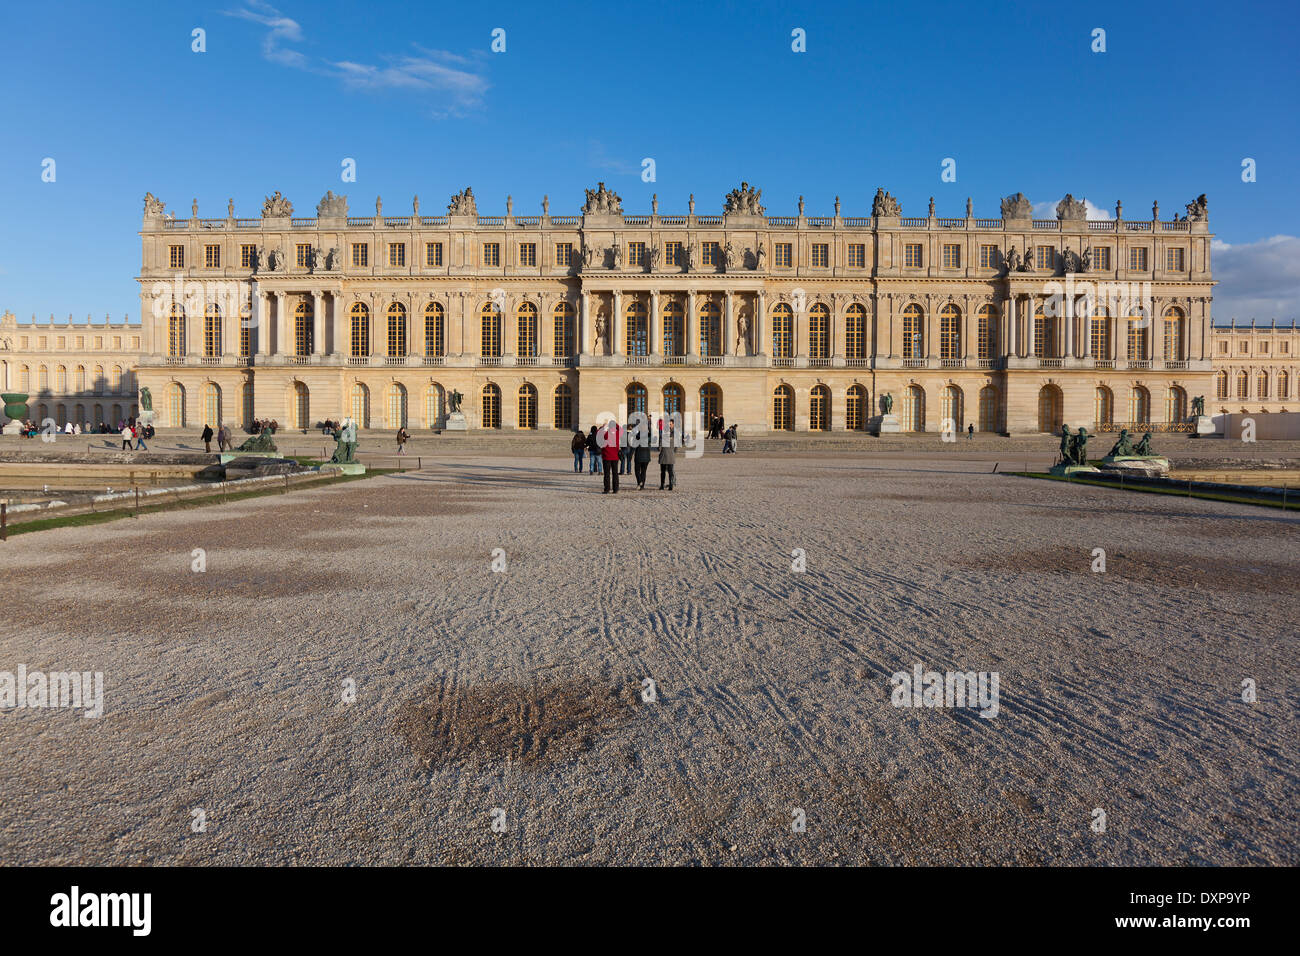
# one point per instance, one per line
(501, 716)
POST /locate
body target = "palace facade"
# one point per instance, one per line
(1012, 324)
(1256, 368)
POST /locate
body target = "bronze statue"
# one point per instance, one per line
(1079, 448)
(345, 444)
(1144, 446)
(1066, 451)
(886, 403)
(1123, 447)
(1198, 406)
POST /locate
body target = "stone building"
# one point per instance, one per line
(1012, 324)
(1256, 368)
(82, 372)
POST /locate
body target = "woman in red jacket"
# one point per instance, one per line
(609, 440)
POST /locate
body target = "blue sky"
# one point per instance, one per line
(712, 92)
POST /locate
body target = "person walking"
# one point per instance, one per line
(641, 460)
(593, 451)
(729, 441)
(970, 431)
(609, 452)
(126, 438)
(578, 446)
(402, 437)
(223, 438)
(667, 459)
(139, 438)
(207, 438)
(625, 452)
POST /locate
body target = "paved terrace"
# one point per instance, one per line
(522, 691)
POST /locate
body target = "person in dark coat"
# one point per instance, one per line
(207, 437)
(579, 447)
(641, 461)
(593, 452)
(667, 459)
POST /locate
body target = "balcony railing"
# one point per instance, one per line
(1139, 363)
(429, 360)
(952, 363)
(358, 359)
(674, 359)
(857, 361)
(1051, 363)
(782, 362)
(819, 362)
(710, 359)
(1103, 363)
(526, 360)
(394, 359)
(493, 360)
(298, 359)
(173, 359)
(915, 363)
(1175, 365)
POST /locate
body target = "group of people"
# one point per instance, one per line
(264, 424)
(623, 450)
(718, 429)
(222, 435)
(31, 429)
(133, 431)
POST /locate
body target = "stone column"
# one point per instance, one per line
(616, 323)
(509, 331)
(967, 324)
(692, 330)
(545, 330)
(377, 322)
(656, 338)
(340, 345)
(263, 329)
(930, 350)
(728, 324)
(318, 323)
(1086, 332)
(757, 345)
(585, 325)
(838, 309)
(1157, 335)
(1067, 302)
(282, 324)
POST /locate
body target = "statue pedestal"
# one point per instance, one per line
(350, 468)
(146, 418)
(1152, 466)
(1204, 425)
(890, 425)
(12, 427)
(456, 422)
(1066, 470)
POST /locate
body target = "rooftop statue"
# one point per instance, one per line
(463, 204)
(1198, 211)
(602, 201)
(332, 206)
(1071, 209)
(1017, 207)
(153, 206)
(885, 205)
(276, 207)
(745, 201)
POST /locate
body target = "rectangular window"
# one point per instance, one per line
(564, 253)
(1174, 260)
(1243, 347)
(636, 253)
(1101, 259)
(988, 257)
(857, 255)
(1137, 258)
(177, 257)
(1263, 348)
(673, 254)
(361, 253)
(99, 341)
(433, 254)
(528, 253)
(117, 341)
(712, 254)
(785, 255)
(1045, 258)
(247, 253)
(245, 335)
(1284, 348)
(491, 253)
(302, 254)
(951, 255)
(397, 253)
(212, 257)
(821, 255)
(1223, 348)
(912, 255)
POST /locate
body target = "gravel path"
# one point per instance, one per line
(517, 698)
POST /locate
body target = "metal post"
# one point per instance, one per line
(4, 521)
(137, 501)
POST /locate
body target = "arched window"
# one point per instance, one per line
(302, 328)
(1103, 409)
(25, 378)
(637, 334)
(952, 410)
(710, 329)
(1283, 384)
(246, 331)
(1175, 404)
(855, 332)
(212, 405)
(562, 316)
(636, 398)
(988, 333)
(1221, 384)
(360, 344)
(361, 405)
(61, 380)
(1050, 405)
(490, 324)
(43, 378)
(855, 409)
(81, 379)
(212, 331)
(1099, 332)
(782, 332)
(562, 407)
(115, 383)
(913, 419)
(1044, 333)
(527, 406)
(819, 409)
(674, 402)
(674, 319)
(1243, 384)
(710, 401)
(433, 405)
(913, 337)
(526, 338)
(435, 343)
(950, 332)
(990, 420)
(101, 383)
(1137, 340)
(176, 405)
(396, 330)
(783, 409)
(1139, 405)
(819, 332)
(491, 412)
(1261, 384)
(301, 405)
(1173, 327)
(176, 331)
(396, 405)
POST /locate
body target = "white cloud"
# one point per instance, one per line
(432, 71)
(1259, 280)
(1047, 210)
